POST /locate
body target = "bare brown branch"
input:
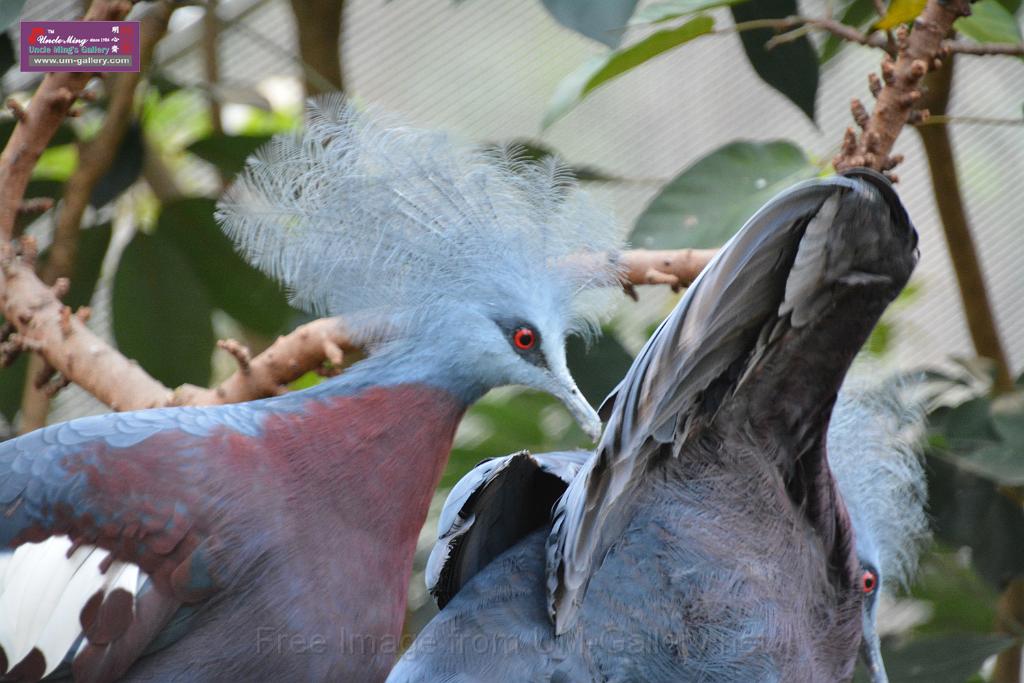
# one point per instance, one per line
(918, 53)
(69, 346)
(44, 324)
(284, 361)
(676, 268)
(965, 48)
(96, 157)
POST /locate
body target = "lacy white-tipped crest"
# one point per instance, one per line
(382, 223)
(875, 453)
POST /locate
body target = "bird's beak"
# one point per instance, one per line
(871, 652)
(578, 406)
(562, 386)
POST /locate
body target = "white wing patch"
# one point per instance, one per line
(44, 590)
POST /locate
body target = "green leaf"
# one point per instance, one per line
(507, 422)
(599, 70)
(227, 152)
(229, 282)
(92, 249)
(603, 21)
(960, 600)
(12, 385)
(163, 84)
(1012, 6)
(10, 10)
(966, 426)
(961, 504)
(857, 14)
(8, 52)
(880, 340)
(951, 658)
(598, 369)
(660, 12)
(998, 463)
(161, 312)
(124, 171)
(708, 202)
(990, 22)
(791, 68)
(1008, 419)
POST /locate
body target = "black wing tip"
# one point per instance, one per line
(885, 188)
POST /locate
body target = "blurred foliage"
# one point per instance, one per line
(790, 67)
(976, 469)
(227, 152)
(599, 70)
(952, 658)
(166, 329)
(990, 22)
(123, 174)
(709, 201)
(603, 21)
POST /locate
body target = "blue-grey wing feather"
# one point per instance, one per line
(492, 508)
(766, 280)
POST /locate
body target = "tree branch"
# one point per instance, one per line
(37, 320)
(96, 157)
(43, 324)
(966, 48)
(875, 39)
(899, 89)
(319, 38)
(40, 120)
(676, 268)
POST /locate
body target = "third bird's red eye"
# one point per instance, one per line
(868, 582)
(524, 338)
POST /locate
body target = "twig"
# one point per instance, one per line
(943, 119)
(269, 373)
(211, 63)
(837, 28)
(673, 268)
(79, 355)
(97, 155)
(35, 205)
(319, 25)
(965, 48)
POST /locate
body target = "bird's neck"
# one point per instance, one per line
(409, 363)
(375, 443)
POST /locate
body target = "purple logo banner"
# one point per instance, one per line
(80, 46)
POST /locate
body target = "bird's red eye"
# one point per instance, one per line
(868, 582)
(524, 338)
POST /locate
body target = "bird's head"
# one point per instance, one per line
(484, 261)
(873, 451)
(869, 583)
